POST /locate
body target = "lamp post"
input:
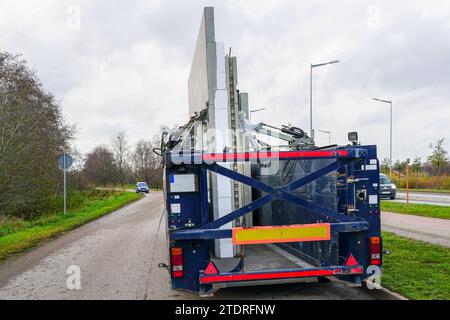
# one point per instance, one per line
(329, 135)
(390, 133)
(311, 132)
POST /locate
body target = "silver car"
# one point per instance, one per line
(387, 188)
(142, 187)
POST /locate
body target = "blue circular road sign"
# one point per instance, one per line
(65, 161)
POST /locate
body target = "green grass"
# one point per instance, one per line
(17, 235)
(424, 210)
(415, 269)
(424, 190)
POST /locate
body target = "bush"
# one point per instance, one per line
(423, 182)
(33, 135)
(75, 200)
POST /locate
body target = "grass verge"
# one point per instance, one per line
(415, 269)
(424, 210)
(16, 237)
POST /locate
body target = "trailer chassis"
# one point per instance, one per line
(339, 222)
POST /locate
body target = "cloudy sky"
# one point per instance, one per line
(124, 65)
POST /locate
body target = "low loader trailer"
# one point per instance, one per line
(316, 215)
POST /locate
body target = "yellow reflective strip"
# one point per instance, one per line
(277, 234)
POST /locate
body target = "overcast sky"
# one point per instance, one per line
(124, 65)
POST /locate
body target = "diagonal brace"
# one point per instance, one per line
(274, 193)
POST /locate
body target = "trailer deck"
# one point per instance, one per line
(262, 257)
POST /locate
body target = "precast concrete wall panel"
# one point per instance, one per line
(207, 88)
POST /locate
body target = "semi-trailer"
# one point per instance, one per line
(243, 211)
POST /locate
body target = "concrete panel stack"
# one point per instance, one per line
(213, 85)
(208, 89)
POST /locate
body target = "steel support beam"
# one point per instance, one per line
(208, 234)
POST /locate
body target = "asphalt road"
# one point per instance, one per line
(441, 199)
(117, 257)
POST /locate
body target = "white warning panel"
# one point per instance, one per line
(369, 167)
(183, 183)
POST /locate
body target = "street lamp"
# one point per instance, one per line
(390, 134)
(329, 135)
(310, 92)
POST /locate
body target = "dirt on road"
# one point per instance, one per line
(117, 257)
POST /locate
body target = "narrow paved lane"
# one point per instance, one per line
(431, 230)
(118, 257)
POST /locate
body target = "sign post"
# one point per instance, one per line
(407, 181)
(65, 161)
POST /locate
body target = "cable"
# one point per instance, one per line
(289, 174)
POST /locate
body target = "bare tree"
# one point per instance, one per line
(146, 164)
(142, 160)
(120, 150)
(416, 166)
(100, 168)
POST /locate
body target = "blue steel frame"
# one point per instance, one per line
(211, 230)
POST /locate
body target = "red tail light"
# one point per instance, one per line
(176, 256)
(375, 251)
